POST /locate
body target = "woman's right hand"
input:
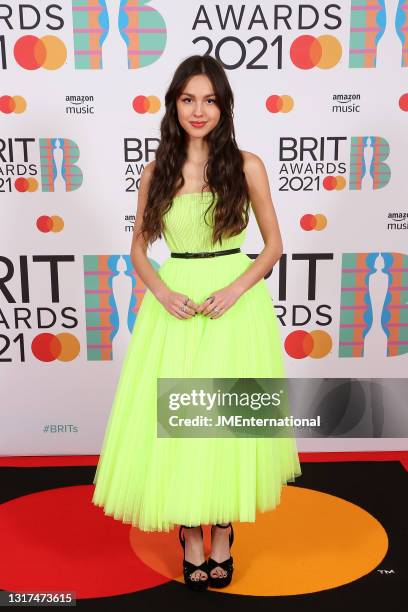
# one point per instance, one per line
(174, 302)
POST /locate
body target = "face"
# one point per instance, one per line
(197, 110)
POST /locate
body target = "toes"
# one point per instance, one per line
(219, 573)
(198, 576)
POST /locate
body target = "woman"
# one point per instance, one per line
(206, 313)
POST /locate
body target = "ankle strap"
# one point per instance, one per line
(231, 535)
(188, 527)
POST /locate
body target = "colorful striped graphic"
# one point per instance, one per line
(395, 314)
(90, 22)
(68, 171)
(101, 312)
(144, 31)
(356, 314)
(369, 19)
(354, 304)
(367, 26)
(401, 27)
(378, 149)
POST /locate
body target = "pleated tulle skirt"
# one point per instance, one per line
(154, 483)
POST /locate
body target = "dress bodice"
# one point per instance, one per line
(186, 230)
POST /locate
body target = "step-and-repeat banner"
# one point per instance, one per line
(320, 95)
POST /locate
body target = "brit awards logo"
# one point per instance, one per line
(378, 34)
(113, 296)
(276, 35)
(374, 305)
(40, 296)
(46, 163)
(131, 29)
(310, 163)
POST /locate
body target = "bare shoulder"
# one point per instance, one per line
(250, 157)
(252, 161)
(261, 200)
(253, 166)
(145, 178)
(149, 168)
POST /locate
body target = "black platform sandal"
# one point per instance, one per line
(226, 565)
(189, 568)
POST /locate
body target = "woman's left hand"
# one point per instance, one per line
(219, 302)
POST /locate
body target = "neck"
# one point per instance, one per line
(197, 150)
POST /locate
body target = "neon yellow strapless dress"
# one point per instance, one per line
(154, 483)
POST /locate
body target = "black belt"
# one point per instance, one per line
(209, 254)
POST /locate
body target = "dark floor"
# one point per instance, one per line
(378, 487)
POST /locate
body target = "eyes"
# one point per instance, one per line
(213, 100)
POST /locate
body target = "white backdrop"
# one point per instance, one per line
(73, 144)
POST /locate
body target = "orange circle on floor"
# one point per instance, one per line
(310, 542)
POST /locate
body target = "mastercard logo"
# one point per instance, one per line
(50, 224)
(403, 102)
(12, 104)
(146, 104)
(279, 104)
(331, 183)
(23, 184)
(316, 344)
(49, 347)
(308, 52)
(48, 52)
(313, 222)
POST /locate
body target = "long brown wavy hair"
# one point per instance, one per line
(223, 171)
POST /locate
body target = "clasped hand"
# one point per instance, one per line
(214, 306)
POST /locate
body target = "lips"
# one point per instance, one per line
(198, 123)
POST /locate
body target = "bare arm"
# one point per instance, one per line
(177, 304)
(138, 250)
(261, 199)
